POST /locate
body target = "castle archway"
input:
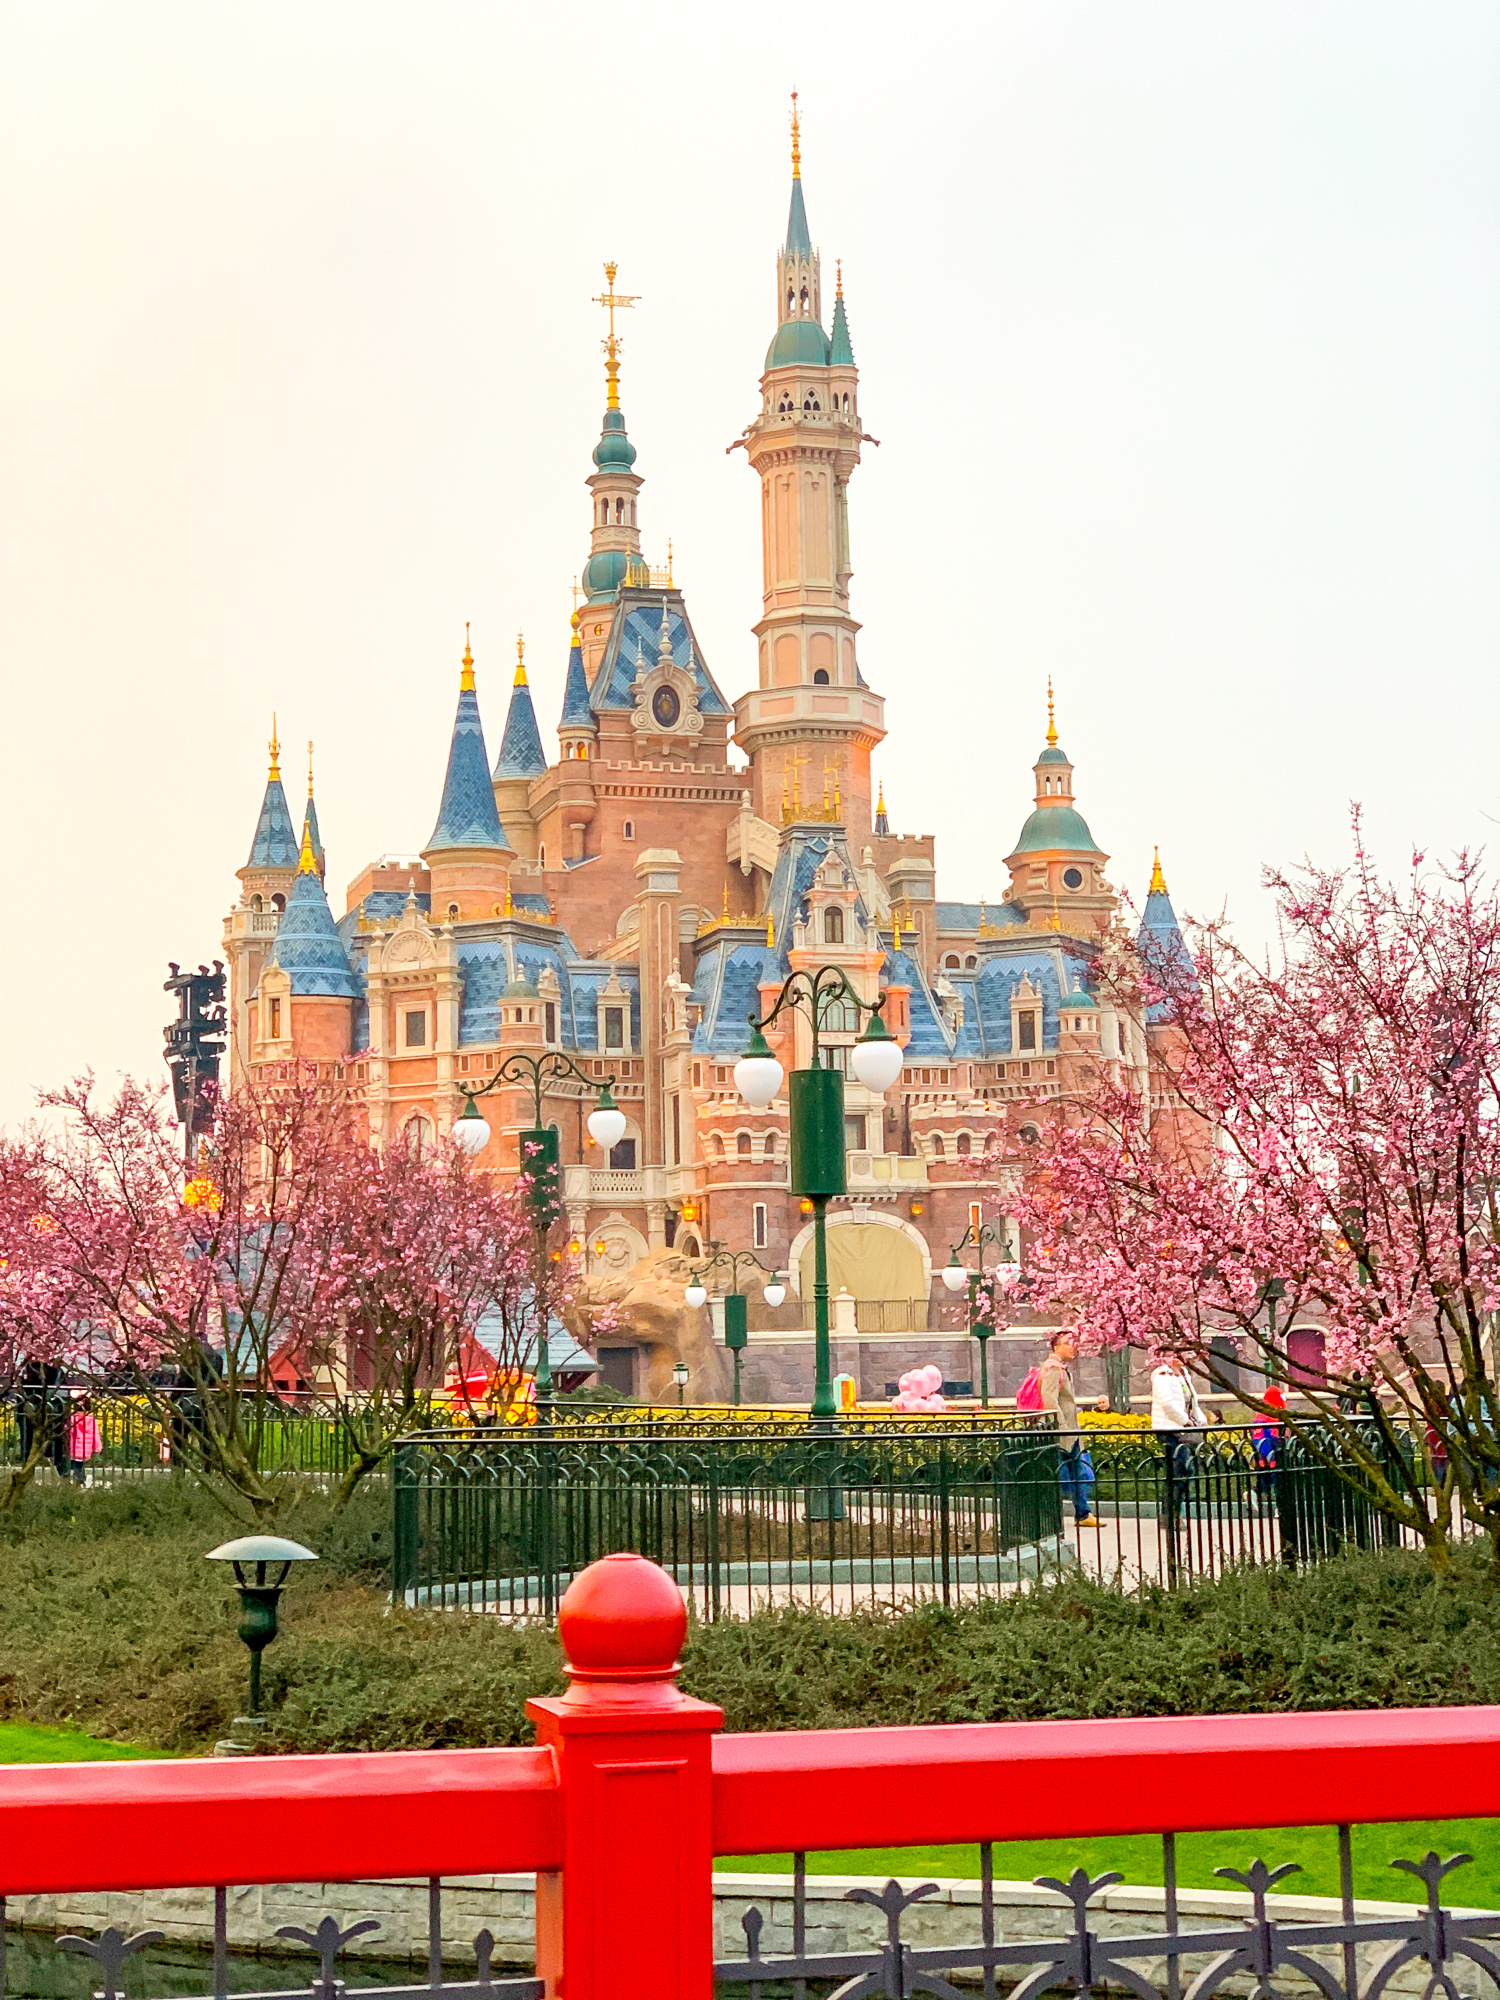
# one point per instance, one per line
(870, 1256)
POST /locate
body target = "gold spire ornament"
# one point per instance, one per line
(309, 767)
(724, 913)
(466, 678)
(838, 277)
(610, 299)
(669, 563)
(307, 861)
(510, 907)
(770, 932)
(1051, 720)
(520, 679)
(796, 141)
(1158, 880)
(274, 746)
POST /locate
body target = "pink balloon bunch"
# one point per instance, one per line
(920, 1392)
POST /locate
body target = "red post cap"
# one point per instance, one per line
(622, 1619)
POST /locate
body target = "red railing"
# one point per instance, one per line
(632, 1793)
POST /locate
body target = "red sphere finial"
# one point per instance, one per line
(622, 1619)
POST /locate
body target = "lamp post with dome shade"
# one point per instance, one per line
(957, 1275)
(539, 1154)
(816, 1099)
(736, 1311)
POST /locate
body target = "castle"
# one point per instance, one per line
(635, 899)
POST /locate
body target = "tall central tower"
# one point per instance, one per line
(811, 724)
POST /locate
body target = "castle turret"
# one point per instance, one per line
(811, 724)
(302, 1005)
(521, 760)
(268, 873)
(310, 834)
(1056, 870)
(468, 854)
(1163, 951)
(578, 726)
(614, 540)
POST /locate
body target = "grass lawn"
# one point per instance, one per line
(1138, 1858)
(31, 1743)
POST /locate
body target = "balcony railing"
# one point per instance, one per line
(631, 1792)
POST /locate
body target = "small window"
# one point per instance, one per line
(961, 1145)
(1029, 1135)
(820, 678)
(549, 1021)
(541, 855)
(278, 903)
(742, 1145)
(975, 1216)
(628, 830)
(758, 1226)
(971, 963)
(417, 1132)
(275, 1020)
(1072, 878)
(622, 1156)
(1120, 1034)
(833, 927)
(614, 1027)
(676, 1130)
(950, 963)
(697, 1076)
(453, 909)
(854, 1132)
(257, 902)
(937, 1145)
(416, 1030)
(1028, 1031)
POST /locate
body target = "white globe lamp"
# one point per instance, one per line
(758, 1075)
(774, 1293)
(471, 1132)
(876, 1057)
(606, 1121)
(695, 1294)
(955, 1277)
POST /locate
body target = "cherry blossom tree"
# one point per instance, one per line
(43, 1331)
(1319, 1149)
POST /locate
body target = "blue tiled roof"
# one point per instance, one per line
(798, 240)
(840, 352)
(467, 815)
(967, 916)
(576, 713)
(308, 946)
(310, 832)
(1164, 954)
(727, 988)
(488, 965)
(275, 844)
(521, 746)
(637, 630)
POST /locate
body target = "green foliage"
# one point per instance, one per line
(112, 1622)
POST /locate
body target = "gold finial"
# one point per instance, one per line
(724, 913)
(610, 299)
(1051, 723)
(1056, 917)
(669, 562)
(520, 679)
(577, 593)
(274, 746)
(880, 802)
(573, 621)
(466, 678)
(1158, 880)
(770, 932)
(838, 277)
(510, 908)
(796, 141)
(307, 861)
(309, 767)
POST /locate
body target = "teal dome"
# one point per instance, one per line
(604, 573)
(1052, 755)
(518, 989)
(1053, 827)
(614, 449)
(1079, 999)
(798, 342)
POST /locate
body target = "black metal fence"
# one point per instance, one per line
(741, 1517)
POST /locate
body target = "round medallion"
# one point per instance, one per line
(1072, 878)
(665, 707)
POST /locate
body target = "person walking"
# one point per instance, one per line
(1075, 1468)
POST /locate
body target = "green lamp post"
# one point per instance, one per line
(956, 1276)
(736, 1310)
(816, 1097)
(539, 1155)
(260, 1600)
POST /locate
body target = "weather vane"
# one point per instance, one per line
(611, 299)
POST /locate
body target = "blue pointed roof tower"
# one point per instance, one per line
(614, 542)
(800, 338)
(1163, 950)
(840, 349)
(275, 842)
(521, 753)
(467, 815)
(576, 713)
(308, 947)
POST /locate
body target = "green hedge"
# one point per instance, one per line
(111, 1621)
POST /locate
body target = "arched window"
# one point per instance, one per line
(961, 1145)
(833, 926)
(628, 830)
(541, 855)
(417, 1134)
(937, 1145)
(257, 902)
(1030, 1136)
(820, 678)
(278, 903)
(742, 1145)
(951, 961)
(620, 510)
(453, 909)
(971, 963)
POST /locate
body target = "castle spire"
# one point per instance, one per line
(467, 815)
(1158, 880)
(576, 713)
(274, 747)
(274, 844)
(1051, 718)
(882, 823)
(521, 754)
(840, 348)
(311, 837)
(614, 537)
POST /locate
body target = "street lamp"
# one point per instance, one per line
(539, 1157)
(956, 1276)
(817, 1122)
(680, 1376)
(736, 1313)
(259, 1601)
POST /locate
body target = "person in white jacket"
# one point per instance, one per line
(1176, 1413)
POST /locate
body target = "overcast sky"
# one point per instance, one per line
(1179, 325)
